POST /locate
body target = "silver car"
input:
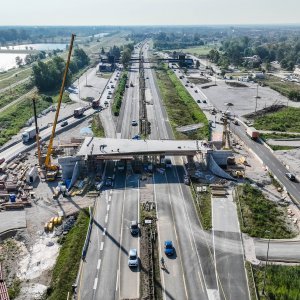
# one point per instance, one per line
(133, 260)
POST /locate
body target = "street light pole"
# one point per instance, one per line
(265, 274)
(78, 89)
(256, 97)
(86, 78)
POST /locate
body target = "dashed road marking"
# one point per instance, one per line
(98, 264)
(95, 283)
(101, 246)
(108, 207)
(106, 219)
(104, 231)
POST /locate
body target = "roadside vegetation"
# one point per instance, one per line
(14, 117)
(285, 119)
(118, 96)
(260, 217)
(289, 89)
(67, 263)
(14, 93)
(202, 203)
(282, 282)
(202, 50)
(13, 77)
(97, 126)
(181, 107)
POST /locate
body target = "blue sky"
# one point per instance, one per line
(148, 12)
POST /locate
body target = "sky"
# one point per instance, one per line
(148, 12)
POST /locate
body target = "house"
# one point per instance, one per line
(258, 75)
(297, 71)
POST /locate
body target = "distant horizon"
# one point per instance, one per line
(149, 12)
(160, 25)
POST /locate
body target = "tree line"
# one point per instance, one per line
(47, 76)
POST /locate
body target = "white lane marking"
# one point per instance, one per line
(110, 192)
(138, 213)
(95, 283)
(108, 207)
(109, 198)
(106, 219)
(104, 231)
(117, 281)
(98, 264)
(101, 246)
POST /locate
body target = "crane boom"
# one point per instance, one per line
(48, 156)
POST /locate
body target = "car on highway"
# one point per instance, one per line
(169, 249)
(2, 160)
(290, 176)
(127, 86)
(187, 81)
(196, 91)
(133, 260)
(134, 123)
(110, 92)
(136, 137)
(168, 163)
(186, 179)
(105, 102)
(64, 123)
(108, 97)
(134, 227)
(192, 86)
(198, 101)
(204, 101)
(186, 85)
(108, 87)
(109, 181)
(112, 86)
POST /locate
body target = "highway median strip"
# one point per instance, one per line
(181, 107)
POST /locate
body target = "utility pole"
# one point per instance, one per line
(86, 78)
(78, 88)
(37, 132)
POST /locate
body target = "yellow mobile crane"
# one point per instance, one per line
(52, 169)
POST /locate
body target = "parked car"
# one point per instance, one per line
(134, 228)
(290, 176)
(198, 101)
(127, 86)
(204, 101)
(64, 123)
(133, 260)
(169, 249)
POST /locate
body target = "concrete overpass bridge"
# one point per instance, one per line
(94, 151)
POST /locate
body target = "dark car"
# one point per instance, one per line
(64, 123)
(198, 101)
(290, 176)
(109, 181)
(134, 228)
(204, 101)
(169, 249)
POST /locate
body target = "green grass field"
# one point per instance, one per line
(259, 215)
(282, 282)
(97, 127)
(181, 107)
(285, 119)
(67, 263)
(197, 51)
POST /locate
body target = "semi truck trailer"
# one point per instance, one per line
(252, 133)
(28, 134)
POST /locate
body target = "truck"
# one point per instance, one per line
(95, 103)
(28, 135)
(252, 133)
(78, 112)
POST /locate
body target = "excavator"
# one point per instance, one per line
(52, 169)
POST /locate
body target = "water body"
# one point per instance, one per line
(8, 60)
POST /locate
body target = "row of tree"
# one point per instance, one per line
(48, 76)
(233, 51)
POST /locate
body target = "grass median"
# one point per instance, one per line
(97, 127)
(181, 107)
(260, 217)
(67, 263)
(118, 96)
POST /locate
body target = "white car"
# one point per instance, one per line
(133, 260)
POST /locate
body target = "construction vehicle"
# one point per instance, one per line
(51, 169)
(253, 133)
(28, 135)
